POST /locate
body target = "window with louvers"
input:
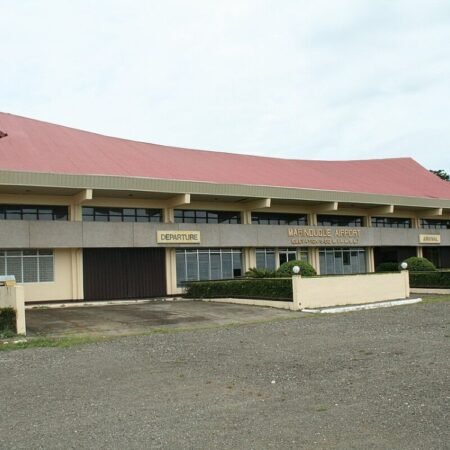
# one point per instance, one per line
(28, 266)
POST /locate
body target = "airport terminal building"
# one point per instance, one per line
(86, 216)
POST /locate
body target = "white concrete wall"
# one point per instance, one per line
(13, 297)
(321, 292)
(253, 302)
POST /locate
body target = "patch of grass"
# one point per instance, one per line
(64, 342)
(434, 298)
(321, 408)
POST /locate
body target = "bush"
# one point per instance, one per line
(260, 273)
(306, 269)
(264, 288)
(7, 322)
(436, 279)
(388, 267)
(416, 264)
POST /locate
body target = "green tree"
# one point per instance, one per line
(441, 174)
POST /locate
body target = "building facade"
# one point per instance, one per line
(84, 216)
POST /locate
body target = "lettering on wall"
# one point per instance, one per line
(177, 237)
(324, 236)
(430, 238)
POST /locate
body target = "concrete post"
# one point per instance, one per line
(296, 290)
(405, 274)
(14, 297)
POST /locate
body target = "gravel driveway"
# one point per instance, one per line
(366, 380)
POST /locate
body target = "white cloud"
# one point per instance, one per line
(325, 80)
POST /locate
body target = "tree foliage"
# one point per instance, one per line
(441, 174)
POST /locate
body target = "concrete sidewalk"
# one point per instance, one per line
(136, 318)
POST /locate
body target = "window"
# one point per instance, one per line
(261, 218)
(339, 261)
(207, 264)
(100, 214)
(28, 266)
(435, 224)
(287, 254)
(33, 212)
(339, 221)
(265, 258)
(200, 216)
(391, 222)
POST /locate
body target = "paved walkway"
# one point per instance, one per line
(136, 318)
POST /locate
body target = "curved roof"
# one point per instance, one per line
(34, 146)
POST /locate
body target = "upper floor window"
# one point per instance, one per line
(102, 214)
(33, 212)
(339, 221)
(437, 224)
(200, 216)
(270, 218)
(391, 222)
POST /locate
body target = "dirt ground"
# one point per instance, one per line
(374, 379)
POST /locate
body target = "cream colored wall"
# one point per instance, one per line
(322, 292)
(68, 276)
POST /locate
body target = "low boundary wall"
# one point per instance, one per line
(254, 302)
(14, 297)
(327, 291)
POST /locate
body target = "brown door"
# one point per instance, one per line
(121, 273)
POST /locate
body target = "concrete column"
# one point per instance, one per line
(75, 212)
(76, 255)
(246, 217)
(249, 259)
(171, 272)
(419, 252)
(370, 259)
(315, 259)
(312, 219)
(168, 215)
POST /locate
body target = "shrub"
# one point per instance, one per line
(264, 288)
(436, 279)
(7, 322)
(387, 267)
(416, 264)
(260, 273)
(306, 269)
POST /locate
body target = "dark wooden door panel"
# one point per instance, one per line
(146, 273)
(121, 273)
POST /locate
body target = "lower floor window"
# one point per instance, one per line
(28, 266)
(265, 258)
(208, 264)
(338, 261)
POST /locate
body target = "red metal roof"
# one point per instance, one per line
(34, 146)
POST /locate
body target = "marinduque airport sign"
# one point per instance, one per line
(324, 236)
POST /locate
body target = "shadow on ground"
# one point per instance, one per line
(138, 318)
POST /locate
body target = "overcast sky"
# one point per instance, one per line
(308, 79)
